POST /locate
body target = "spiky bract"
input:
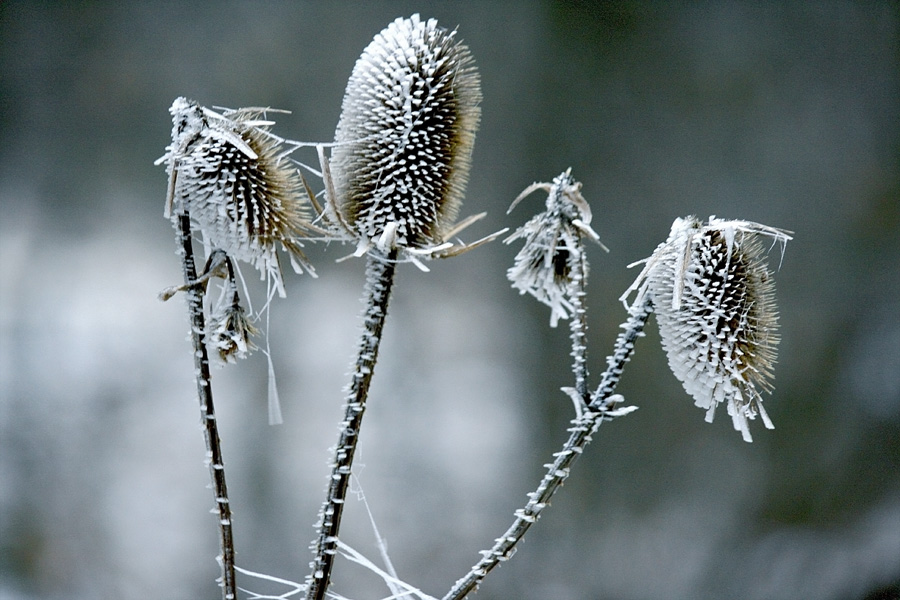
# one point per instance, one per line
(405, 136)
(714, 299)
(233, 177)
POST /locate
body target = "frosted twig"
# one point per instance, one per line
(194, 295)
(380, 271)
(597, 411)
(578, 324)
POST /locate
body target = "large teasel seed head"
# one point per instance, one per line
(545, 264)
(405, 136)
(714, 299)
(233, 177)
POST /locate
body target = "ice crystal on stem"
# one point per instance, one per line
(233, 177)
(714, 299)
(545, 264)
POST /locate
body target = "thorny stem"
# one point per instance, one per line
(557, 471)
(615, 362)
(380, 271)
(578, 326)
(194, 294)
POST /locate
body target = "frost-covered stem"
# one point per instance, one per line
(194, 296)
(379, 280)
(578, 325)
(615, 363)
(557, 471)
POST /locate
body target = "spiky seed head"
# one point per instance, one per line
(405, 136)
(544, 266)
(233, 177)
(714, 299)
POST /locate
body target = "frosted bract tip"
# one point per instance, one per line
(405, 136)
(234, 179)
(714, 299)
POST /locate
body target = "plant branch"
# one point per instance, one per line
(194, 292)
(579, 436)
(578, 324)
(380, 271)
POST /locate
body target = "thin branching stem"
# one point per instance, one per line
(380, 271)
(195, 294)
(579, 436)
(615, 363)
(578, 325)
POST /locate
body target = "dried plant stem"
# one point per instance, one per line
(380, 271)
(631, 330)
(579, 437)
(578, 325)
(194, 294)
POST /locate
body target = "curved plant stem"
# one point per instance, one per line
(194, 293)
(580, 433)
(380, 271)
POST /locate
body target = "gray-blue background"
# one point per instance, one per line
(784, 114)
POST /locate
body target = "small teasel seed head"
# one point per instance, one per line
(404, 140)
(231, 332)
(544, 266)
(233, 177)
(714, 299)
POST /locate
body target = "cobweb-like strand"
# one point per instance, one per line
(233, 177)
(714, 299)
(404, 142)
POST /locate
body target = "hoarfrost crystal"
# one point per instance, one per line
(233, 177)
(404, 141)
(714, 300)
(544, 265)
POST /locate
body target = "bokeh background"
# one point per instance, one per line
(782, 113)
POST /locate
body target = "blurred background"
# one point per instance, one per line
(786, 114)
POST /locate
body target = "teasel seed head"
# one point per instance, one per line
(714, 299)
(231, 332)
(404, 141)
(233, 177)
(544, 265)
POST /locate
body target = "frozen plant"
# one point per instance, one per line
(229, 178)
(392, 188)
(233, 177)
(714, 299)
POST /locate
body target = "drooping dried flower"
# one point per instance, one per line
(233, 177)
(230, 333)
(544, 265)
(714, 299)
(404, 141)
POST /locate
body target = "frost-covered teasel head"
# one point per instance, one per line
(404, 141)
(714, 299)
(233, 177)
(231, 332)
(544, 265)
